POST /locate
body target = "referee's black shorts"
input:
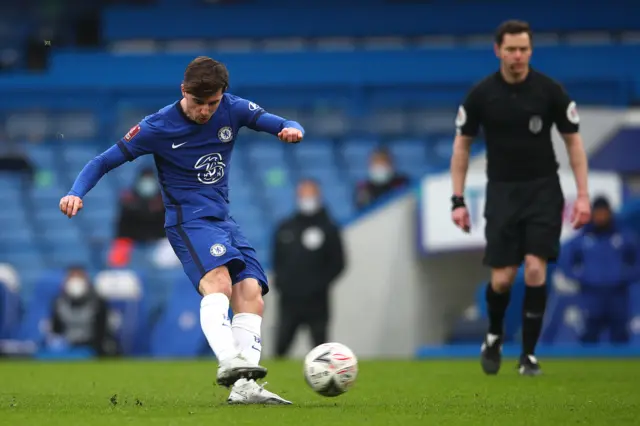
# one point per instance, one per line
(523, 218)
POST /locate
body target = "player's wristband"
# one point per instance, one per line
(457, 201)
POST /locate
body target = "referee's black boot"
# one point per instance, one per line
(529, 366)
(491, 355)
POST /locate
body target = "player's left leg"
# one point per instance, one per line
(247, 305)
(249, 286)
(542, 219)
(533, 309)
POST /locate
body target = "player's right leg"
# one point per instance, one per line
(503, 255)
(498, 293)
(209, 259)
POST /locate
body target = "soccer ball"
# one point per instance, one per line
(330, 369)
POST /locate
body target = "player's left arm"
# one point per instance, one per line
(256, 118)
(567, 122)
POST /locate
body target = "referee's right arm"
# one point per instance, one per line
(467, 126)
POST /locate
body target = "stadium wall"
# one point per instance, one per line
(376, 307)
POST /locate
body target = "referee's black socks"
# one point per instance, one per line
(535, 302)
(497, 304)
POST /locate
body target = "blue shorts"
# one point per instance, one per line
(207, 243)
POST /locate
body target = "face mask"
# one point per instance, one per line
(380, 174)
(308, 205)
(147, 187)
(77, 287)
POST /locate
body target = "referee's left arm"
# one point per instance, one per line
(567, 122)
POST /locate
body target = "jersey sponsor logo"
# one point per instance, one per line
(217, 250)
(253, 106)
(132, 133)
(213, 168)
(461, 117)
(535, 124)
(225, 134)
(572, 113)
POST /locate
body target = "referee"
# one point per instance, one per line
(516, 108)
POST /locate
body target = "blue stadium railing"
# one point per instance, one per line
(593, 74)
(377, 19)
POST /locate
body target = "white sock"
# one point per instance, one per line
(214, 320)
(246, 331)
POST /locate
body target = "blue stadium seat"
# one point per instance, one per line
(51, 217)
(15, 236)
(358, 174)
(22, 260)
(440, 148)
(65, 256)
(42, 156)
(178, 333)
(327, 175)
(79, 153)
(408, 151)
(101, 193)
(10, 181)
(36, 319)
(247, 214)
(416, 170)
(314, 152)
(11, 196)
(267, 154)
(339, 201)
(63, 234)
(49, 194)
(8, 248)
(123, 177)
(358, 150)
(100, 229)
(12, 214)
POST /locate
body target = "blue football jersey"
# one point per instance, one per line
(194, 160)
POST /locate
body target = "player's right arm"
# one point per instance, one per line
(135, 143)
(467, 127)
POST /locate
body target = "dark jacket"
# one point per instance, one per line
(141, 219)
(308, 256)
(368, 192)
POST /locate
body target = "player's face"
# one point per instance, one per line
(515, 52)
(308, 190)
(601, 217)
(201, 110)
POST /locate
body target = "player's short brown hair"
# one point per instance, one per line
(205, 77)
(512, 26)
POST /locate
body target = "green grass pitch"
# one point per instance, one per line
(580, 392)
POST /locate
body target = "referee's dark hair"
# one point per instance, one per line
(512, 26)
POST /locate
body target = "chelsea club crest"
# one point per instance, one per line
(225, 134)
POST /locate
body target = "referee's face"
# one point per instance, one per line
(515, 53)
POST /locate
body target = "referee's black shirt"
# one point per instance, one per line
(516, 120)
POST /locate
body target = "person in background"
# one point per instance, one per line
(308, 257)
(603, 260)
(141, 218)
(383, 178)
(80, 315)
